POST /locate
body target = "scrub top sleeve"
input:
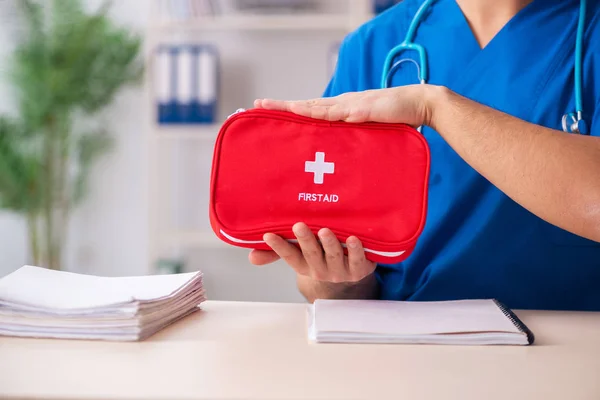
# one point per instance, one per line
(345, 75)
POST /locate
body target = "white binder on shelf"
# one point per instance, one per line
(184, 76)
(187, 83)
(207, 83)
(164, 77)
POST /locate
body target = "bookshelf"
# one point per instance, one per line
(243, 40)
(201, 133)
(260, 23)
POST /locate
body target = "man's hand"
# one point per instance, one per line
(554, 175)
(324, 271)
(409, 105)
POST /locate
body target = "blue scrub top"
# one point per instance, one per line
(477, 242)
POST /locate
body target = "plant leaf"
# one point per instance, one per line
(69, 65)
(20, 169)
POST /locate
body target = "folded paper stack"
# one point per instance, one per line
(37, 302)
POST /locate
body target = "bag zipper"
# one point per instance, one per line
(288, 116)
(239, 110)
(377, 252)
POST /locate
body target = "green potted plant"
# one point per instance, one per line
(68, 66)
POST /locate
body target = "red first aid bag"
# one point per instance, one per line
(272, 169)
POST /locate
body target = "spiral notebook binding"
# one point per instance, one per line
(516, 321)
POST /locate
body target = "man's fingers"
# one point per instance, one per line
(327, 108)
(286, 104)
(324, 109)
(262, 257)
(288, 253)
(333, 112)
(312, 251)
(358, 264)
(317, 112)
(324, 261)
(334, 256)
(271, 104)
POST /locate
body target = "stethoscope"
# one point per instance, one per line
(571, 122)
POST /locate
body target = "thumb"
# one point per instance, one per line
(262, 257)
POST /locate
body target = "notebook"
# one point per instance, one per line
(460, 322)
(38, 302)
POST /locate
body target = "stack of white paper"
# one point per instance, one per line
(37, 302)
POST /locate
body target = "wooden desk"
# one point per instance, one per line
(260, 351)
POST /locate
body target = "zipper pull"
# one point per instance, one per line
(239, 110)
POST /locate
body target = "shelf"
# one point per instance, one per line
(261, 23)
(188, 132)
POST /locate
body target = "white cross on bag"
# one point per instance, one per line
(319, 167)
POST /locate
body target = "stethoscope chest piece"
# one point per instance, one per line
(574, 123)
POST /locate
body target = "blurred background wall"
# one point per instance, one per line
(112, 233)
